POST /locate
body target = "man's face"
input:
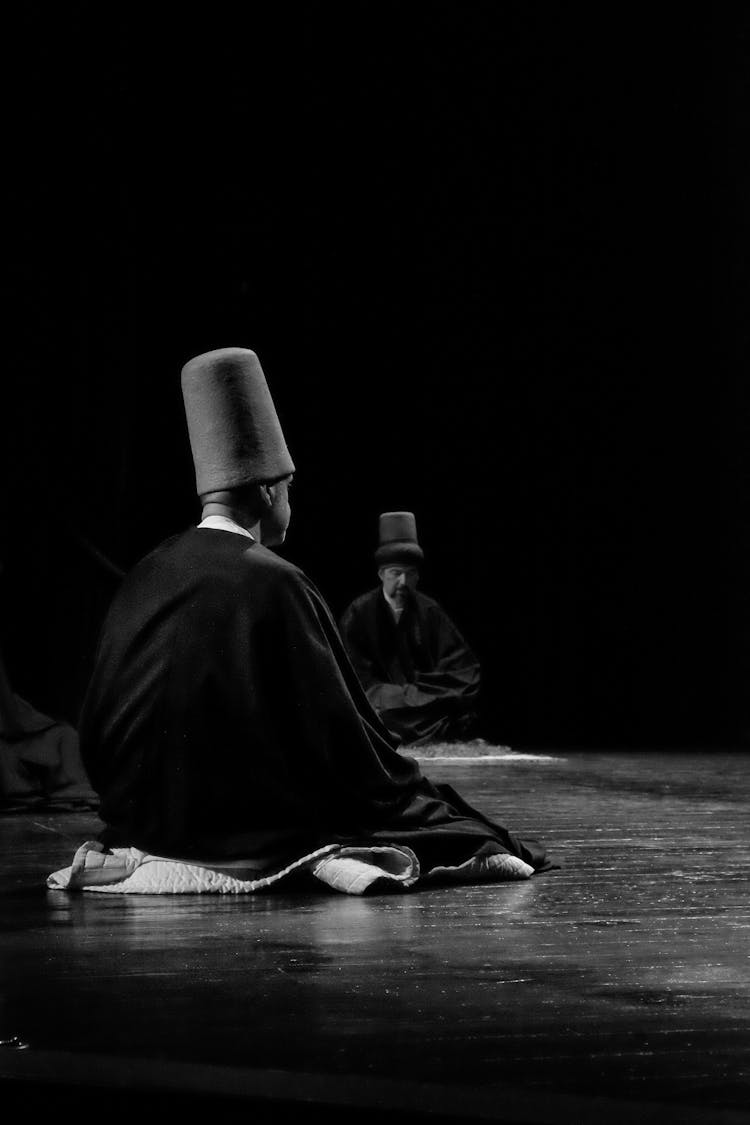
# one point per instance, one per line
(273, 526)
(398, 579)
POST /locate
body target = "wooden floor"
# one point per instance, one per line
(614, 989)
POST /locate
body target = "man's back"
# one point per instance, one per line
(198, 706)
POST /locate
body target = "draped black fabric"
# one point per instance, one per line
(419, 673)
(40, 761)
(41, 771)
(225, 720)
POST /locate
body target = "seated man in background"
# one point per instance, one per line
(224, 720)
(418, 671)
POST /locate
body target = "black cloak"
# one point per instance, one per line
(224, 720)
(419, 673)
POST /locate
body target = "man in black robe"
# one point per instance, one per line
(418, 671)
(224, 719)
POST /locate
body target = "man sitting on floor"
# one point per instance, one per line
(418, 671)
(224, 719)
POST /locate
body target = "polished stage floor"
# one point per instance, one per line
(613, 989)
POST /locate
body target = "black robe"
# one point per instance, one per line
(224, 720)
(419, 673)
(40, 760)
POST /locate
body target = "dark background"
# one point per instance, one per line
(493, 260)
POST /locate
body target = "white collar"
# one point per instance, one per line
(224, 523)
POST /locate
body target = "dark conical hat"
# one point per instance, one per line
(398, 539)
(235, 433)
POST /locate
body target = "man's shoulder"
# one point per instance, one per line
(431, 609)
(265, 569)
(261, 567)
(425, 602)
(260, 558)
(363, 601)
(209, 551)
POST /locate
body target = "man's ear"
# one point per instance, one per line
(266, 494)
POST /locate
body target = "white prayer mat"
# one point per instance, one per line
(352, 871)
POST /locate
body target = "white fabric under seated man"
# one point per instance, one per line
(352, 871)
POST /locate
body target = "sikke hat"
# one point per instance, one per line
(398, 539)
(235, 434)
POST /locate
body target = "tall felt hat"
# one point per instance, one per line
(235, 433)
(398, 539)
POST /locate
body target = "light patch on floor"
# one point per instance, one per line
(511, 757)
(475, 751)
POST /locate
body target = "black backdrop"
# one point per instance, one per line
(493, 260)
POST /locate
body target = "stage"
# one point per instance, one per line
(615, 988)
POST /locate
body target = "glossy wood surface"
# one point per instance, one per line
(618, 984)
